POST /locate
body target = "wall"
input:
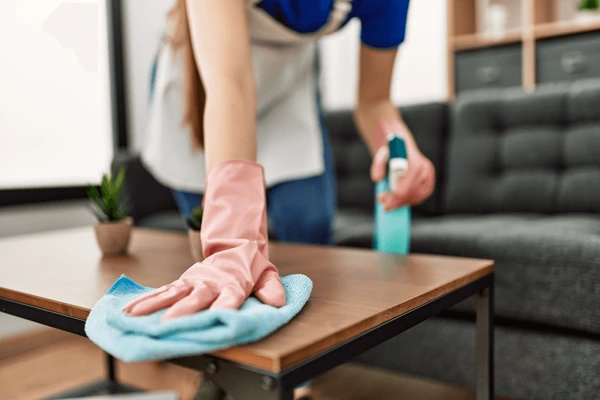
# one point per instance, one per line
(420, 74)
(144, 22)
(55, 124)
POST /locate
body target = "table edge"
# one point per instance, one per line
(265, 361)
(65, 309)
(276, 365)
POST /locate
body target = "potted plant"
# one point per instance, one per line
(113, 228)
(587, 11)
(589, 4)
(194, 225)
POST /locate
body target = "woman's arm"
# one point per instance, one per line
(376, 117)
(234, 223)
(221, 44)
(374, 105)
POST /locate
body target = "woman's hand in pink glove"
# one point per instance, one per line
(209, 286)
(414, 187)
(235, 244)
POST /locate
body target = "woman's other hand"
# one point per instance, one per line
(416, 185)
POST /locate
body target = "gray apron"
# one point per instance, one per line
(288, 131)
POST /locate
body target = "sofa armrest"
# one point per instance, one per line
(145, 196)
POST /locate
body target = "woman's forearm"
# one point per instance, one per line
(230, 120)
(370, 116)
(375, 112)
(222, 49)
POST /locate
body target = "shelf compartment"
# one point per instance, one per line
(478, 40)
(493, 67)
(560, 28)
(568, 58)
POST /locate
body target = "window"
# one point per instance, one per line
(55, 122)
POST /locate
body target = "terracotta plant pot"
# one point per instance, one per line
(113, 237)
(195, 244)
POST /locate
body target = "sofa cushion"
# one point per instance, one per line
(428, 123)
(547, 267)
(512, 151)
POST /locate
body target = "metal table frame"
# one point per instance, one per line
(248, 383)
(108, 385)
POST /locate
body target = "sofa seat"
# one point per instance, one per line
(547, 267)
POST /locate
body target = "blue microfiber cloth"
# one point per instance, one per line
(145, 338)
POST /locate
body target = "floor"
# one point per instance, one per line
(71, 361)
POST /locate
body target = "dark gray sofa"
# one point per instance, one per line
(518, 181)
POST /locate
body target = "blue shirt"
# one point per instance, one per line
(383, 22)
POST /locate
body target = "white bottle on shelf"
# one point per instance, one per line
(496, 20)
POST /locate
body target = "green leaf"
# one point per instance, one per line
(589, 5)
(97, 211)
(93, 193)
(197, 215)
(104, 188)
(107, 201)
(119, 182)
(106, 207)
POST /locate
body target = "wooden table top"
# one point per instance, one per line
(354, 290)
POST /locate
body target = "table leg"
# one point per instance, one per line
(484, 309)
(110, 385)
(242, 384)
(111, 371)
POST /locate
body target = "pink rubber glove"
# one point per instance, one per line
(235, 246)
(418, 183)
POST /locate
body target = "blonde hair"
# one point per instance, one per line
(194, 96)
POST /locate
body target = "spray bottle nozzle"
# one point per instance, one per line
(398, 163)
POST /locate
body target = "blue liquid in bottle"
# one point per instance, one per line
(392, 228)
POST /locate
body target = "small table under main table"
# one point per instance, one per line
(360, 299)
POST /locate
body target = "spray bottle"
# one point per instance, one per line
(392, 228)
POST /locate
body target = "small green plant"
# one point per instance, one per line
(106, 201)
(589, 5)
(196, 222)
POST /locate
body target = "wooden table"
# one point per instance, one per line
(360, 299)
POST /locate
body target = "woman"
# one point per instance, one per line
(251, 103)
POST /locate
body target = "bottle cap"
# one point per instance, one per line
(397, 146)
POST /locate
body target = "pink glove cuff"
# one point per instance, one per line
(234, 224)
